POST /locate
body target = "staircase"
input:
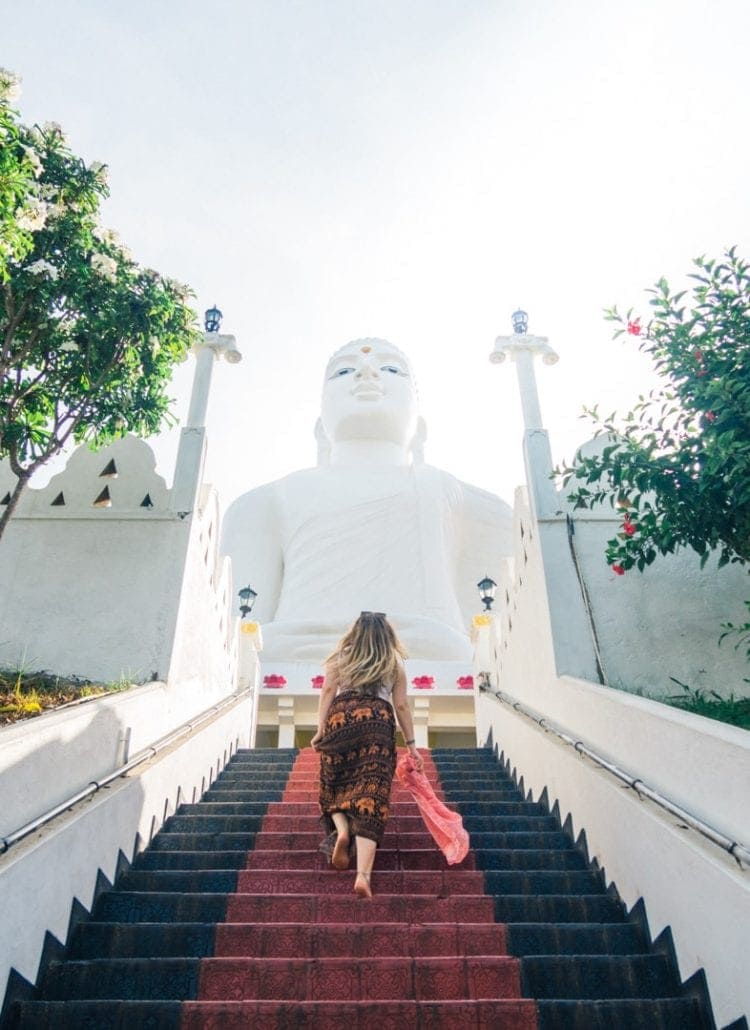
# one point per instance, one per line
(232, 919)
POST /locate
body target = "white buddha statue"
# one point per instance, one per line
(371, 528)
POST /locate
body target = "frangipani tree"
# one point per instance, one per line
(88, 339)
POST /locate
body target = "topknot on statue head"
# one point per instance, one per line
(369, 390)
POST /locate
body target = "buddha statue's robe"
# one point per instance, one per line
(323, 544)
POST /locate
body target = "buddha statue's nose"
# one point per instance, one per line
(368, 371)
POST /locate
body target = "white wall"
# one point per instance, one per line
(119, 592)
(90, 838)
(702, 765)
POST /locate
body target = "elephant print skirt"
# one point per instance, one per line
(357, 762)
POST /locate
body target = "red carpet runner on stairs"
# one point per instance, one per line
(298, 949)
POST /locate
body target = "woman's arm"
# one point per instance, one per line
(403, 714)
(327, 694)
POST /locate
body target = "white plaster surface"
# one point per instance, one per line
(698, 763)
(686, 883)
(40, 877)
(124, 592)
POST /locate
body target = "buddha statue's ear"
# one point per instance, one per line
(324, 444)
(417, 443)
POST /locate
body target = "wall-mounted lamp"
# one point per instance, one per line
(247, 600)
(487, 588)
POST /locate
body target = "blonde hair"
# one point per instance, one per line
(369, 654)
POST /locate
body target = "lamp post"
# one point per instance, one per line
(487, 588)
(209, 349)
(522, 348)
(247, 599)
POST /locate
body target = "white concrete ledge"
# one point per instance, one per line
(89, 839)
(686, 882)
(49, 758)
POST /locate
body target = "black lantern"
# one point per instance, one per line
(212, 320)
(520, 321)
(247, 600)
(487, 588)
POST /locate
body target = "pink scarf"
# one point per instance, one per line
(445, 826)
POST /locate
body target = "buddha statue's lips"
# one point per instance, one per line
(368, 392)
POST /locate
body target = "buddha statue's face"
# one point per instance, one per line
(369, 394)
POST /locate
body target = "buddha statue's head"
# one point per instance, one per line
(369, 394)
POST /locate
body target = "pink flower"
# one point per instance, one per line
(317, 682)
(423, 682)
(274, 681)
(698, 354)
(629, 528)
(634, 327)
(618, 570)
(710, 416)
(465, 682)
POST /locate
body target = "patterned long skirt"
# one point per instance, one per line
(357, 762)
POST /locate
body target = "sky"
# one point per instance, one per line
(325, 170)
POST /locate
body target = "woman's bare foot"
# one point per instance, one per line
(340, 856)
(362, 887)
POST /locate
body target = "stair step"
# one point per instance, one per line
(167, 840)
(342, 908)
(388, 859)
(259, 1015)
(143, 907)
(530, 858)
(302, 940)
(187, 881)
(544, 881)
(598, 976)
(437, 883)
(206, 859)
(574, 939)
(631, 1014)
(143, 940)
(550, 908)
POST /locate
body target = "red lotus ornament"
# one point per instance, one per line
(423, 682)
(317, 682)
(274, 681)
(465, 682)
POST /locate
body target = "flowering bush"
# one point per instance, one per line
(88, 339)
(678, 464)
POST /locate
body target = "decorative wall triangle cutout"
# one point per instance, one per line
(147, 502)
(103, 500)
(109, 471)
(6, 499)
(59, 501)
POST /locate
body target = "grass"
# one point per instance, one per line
(732, 710)
(25, 694)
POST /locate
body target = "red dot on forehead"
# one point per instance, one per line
(365, 350)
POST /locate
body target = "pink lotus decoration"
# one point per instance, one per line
(274, 682)
(317, 682)
(423, 682)
(465, 682)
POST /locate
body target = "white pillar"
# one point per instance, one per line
(522, 350)
(421, 721)
(188, 473)
(286, 721)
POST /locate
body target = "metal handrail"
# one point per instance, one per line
(143, 756)
(738, 851)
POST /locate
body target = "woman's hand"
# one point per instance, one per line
(418, 760)
(316, 739)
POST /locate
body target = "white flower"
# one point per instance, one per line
(100, 171)
(69, 345)
(34, 160)
(106, 235)
(33, 216)
(10, 85)
(54, 129)
(154, 344)
(42, 267)
(105, 266)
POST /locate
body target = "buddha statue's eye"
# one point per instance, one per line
(393, 369)
(342, 372)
